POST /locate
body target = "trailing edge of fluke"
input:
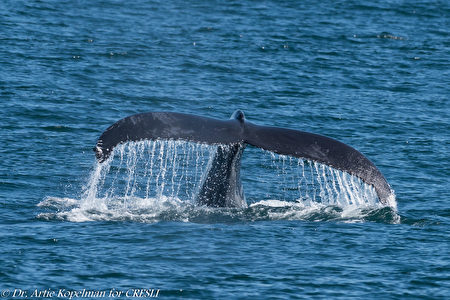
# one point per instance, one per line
(238, 131)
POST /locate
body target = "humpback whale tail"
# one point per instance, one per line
(221, 186)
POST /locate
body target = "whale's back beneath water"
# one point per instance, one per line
(221, 187)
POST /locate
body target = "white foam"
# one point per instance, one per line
(272, 203)
(312, 210)
(174, 209)
(136, 209)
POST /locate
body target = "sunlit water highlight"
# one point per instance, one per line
(151, 181)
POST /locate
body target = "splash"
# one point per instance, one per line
(302, 180)
(152, 181)
(149, 169)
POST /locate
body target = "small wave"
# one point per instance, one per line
(57, 203)
(387, 35)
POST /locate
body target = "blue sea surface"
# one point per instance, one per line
(374, 75)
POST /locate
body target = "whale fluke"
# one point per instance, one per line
(168, 125)
(236, 132)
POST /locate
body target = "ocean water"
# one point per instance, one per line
(374, 75)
